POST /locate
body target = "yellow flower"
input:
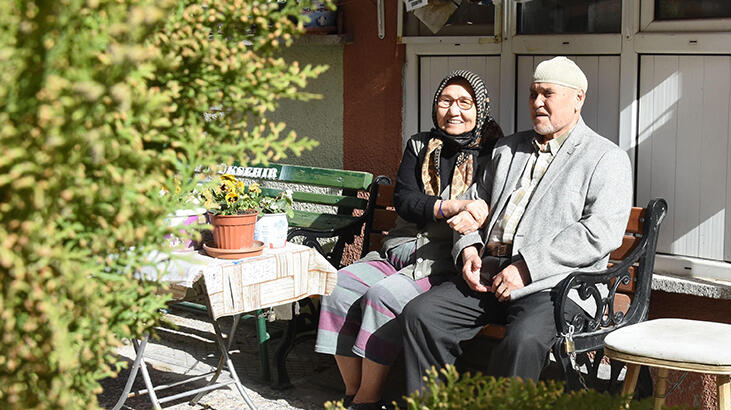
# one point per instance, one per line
(240, 186)
(209, 204)
(228, 177)
(232, 198)
(227, 186)
(254, 188)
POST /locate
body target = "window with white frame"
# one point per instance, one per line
(684, 15)
(450, 18)
(569, 16)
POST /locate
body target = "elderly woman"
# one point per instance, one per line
(357, 320)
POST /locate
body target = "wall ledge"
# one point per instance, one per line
(323, 39)
(708, 288)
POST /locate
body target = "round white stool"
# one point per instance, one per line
(678, 344)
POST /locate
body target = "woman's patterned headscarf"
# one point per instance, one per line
(463, 173)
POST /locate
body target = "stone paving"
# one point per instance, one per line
(190, 349)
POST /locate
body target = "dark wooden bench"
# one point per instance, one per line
(628, 279)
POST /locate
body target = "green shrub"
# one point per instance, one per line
(468, 392)
(104, 103)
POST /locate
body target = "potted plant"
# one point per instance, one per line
(232, 210)
(271, 227)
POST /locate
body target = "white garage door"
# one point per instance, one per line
(684, 150)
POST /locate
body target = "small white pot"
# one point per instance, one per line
(181, 218)
(271, 229)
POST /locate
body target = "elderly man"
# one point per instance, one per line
(559, 197)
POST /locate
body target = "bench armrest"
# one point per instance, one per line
(371, 210)
(601, 289)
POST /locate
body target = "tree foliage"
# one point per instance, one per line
(104, 103)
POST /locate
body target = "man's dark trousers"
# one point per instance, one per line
(435, 322)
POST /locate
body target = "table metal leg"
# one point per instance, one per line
(263, 336)
(219, 367)
(146, 378)
(224, 348)
(132, 373)
(280, 355)
(224, 352)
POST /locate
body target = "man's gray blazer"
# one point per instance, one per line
(577, 214)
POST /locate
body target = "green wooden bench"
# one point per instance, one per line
(329, 203)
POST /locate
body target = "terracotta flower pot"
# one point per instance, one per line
(233, 231)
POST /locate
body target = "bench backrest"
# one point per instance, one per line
(328, 202)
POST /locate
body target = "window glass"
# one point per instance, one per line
(469, 19)
(684, 9)
(569, 16)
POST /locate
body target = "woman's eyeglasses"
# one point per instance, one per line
(463, 103)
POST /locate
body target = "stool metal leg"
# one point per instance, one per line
(132, 373)
(723, 381)
(660, 388)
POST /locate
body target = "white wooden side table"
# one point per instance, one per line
(231, 288)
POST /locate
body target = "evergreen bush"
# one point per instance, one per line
(448, 390)
(103, 104)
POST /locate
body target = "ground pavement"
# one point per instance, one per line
(190, 349)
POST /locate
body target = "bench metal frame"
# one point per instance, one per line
(589, 331)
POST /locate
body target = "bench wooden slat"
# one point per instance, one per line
(384, 217)
(324, 177)
(628, 245)
(319, 221)
(632, 285)
(337, 178)
(321, 199)
(493, 331)
(636, 220)
(385, 196)
(383, 220)
(375, 241)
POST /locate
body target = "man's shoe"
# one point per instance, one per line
(366, 406)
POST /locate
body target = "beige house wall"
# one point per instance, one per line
(321, 119)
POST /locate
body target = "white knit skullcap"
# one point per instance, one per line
(562, 71)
